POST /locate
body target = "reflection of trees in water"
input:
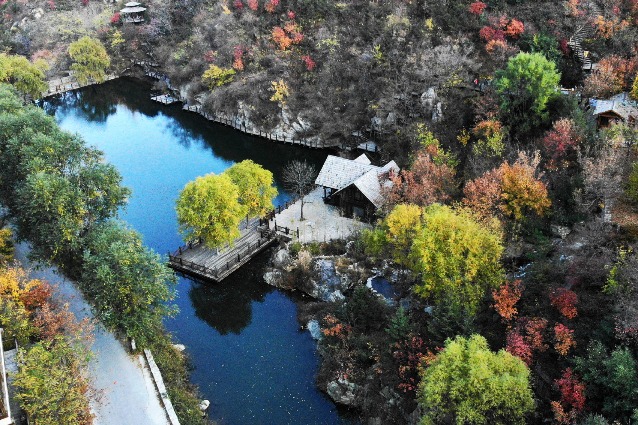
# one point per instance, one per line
(95, 103)
(184, 136)
(227, 306)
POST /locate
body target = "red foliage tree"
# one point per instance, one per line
(115, 19)
(310, 64)
(36, 296)
(238, 58)
(271, 6)
(514, 29)
(564, 339)
(424, 183)
(483, 194)
(477, 8)
(517, 346)
(505, 299)
(572, 400)
(253, 5)
(534, 329)
(410, 354)
(561, 142)
(613, 75)
(488, 34)
(238, 4)
(565, 301)
(291, 15)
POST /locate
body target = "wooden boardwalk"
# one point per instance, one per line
(198, 260)
(65, 84)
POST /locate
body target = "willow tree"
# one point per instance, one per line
(458, 258)
(90, 60)
(467, 383)
(209, 208)
(26, 77)
(255, 184)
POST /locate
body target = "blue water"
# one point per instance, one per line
(250, 358)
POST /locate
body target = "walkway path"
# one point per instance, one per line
(322, 222)
(126, 393)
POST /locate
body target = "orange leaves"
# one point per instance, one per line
(565, 301)
(335, 328)
(511, 189)
(522, 191)
(505, 299)
(563, 339)
(287, 36)
(514, 28)
(613, 75)
(271, 6)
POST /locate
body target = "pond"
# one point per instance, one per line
(250, 358)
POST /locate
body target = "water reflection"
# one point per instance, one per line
(227, 307)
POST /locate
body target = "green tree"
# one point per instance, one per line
(612, 381)
(209, 208)
(526, 86)
(129, 284)
(22, 74)
(51, 387)
(90, 60)
(255, 184)
(458, 258)
(467, 383)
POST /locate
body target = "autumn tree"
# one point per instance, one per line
(299, 178)
(512, 191)
(90, 60)
(209, 208)
(613, 75)
(572, 400)
(51, 385)
(526, 86)
(401, 227)
(505, 299)
(255, 184)
(457, 257)
(215, 76)
(561, 143)
(469, 383)
(425, 182)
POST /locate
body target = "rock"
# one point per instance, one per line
(376, 123)
(428, 97)
(336, 296)
(437, 113)
(429, 310)
(314, 329)
(38, 13)
(305, 125)
(297, 127)
(273, 278)
(179, 347)
(375, 421)
(281, 258)
(560, 231)
(342, 392)
(391, 118)
(203, 405)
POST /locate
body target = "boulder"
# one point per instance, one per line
(281, 258)
(560, 231)
(179, 347)
(342, 392)
(273, 278)
(314, 329)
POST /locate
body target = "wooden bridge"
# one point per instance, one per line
(196, 259)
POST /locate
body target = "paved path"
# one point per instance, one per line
(322, 222)
(125, 392)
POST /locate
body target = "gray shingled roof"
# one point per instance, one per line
(619, 104)
(339, 173)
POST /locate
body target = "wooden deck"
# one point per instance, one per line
(66, 84)
(166, 99)
(198, 260)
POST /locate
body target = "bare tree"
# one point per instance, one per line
(299, 178)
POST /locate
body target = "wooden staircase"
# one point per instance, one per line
(584, 32)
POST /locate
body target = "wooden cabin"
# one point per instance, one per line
(619, 108)
(355, 186)
(133, 12)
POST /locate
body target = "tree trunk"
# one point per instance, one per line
(301, 219)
